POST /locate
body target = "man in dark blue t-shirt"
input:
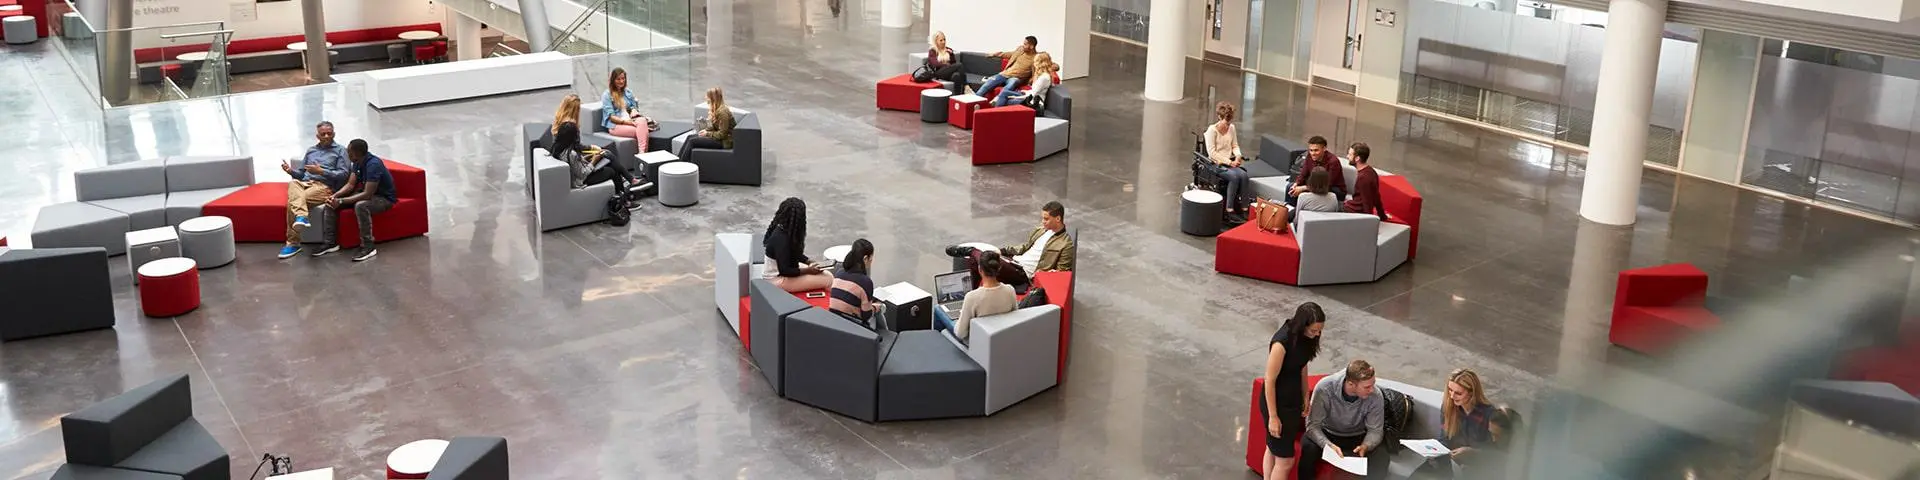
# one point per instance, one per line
(370, 193)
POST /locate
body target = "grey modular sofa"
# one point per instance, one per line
(51, 291)
(1007, 346)
(472, 458)
(116, 199)
(147, 429)
(1348, 247)
(1051, 132)
(532, 132)
(556, 203)
(1268, 177)
(740, 165)
(593, 133)
(737, 257)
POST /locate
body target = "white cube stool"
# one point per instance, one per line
(151, 244)
(20, 29)
(208, 241)
(650, 162)
(679, 184)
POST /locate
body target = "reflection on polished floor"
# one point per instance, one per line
(597, 352)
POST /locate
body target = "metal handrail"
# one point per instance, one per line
(195, 34)
(581, 21)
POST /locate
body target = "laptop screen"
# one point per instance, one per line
(951, 287)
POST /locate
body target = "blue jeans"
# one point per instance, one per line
(997, 80)
(941, 321)
(1006, 94)
(1236, 180)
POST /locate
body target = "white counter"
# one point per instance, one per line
(439, 82)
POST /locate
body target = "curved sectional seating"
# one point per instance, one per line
(259, 211)
(814, 356)
(1422, 422)
(1328, 248)
(116, 199)
(1010, 134)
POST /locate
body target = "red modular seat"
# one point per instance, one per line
(1654, 308)
(1402, 202)
(1257, 433)
(1893, 364)
(899, 93)
(1003, 135)
(746, 313)
(277, 43)
(1248, 252)
(169, 287)
(259, 212)
(1059, 288)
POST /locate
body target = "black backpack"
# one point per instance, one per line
(1399, 413)
(619, 210)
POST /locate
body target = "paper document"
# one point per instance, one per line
(1426, 448)
(1352, 464)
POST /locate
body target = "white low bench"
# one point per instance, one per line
(439, 82)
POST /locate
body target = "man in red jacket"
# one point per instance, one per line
(1366, 187)
(1319, 156)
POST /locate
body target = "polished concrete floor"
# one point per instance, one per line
(598, 353)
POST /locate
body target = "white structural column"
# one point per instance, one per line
(1619, 142)
(466, 36)
(896, 13)
(1166, 51)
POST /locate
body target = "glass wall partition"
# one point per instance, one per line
(1836, 127)
(1535, 71)
(1122, 18)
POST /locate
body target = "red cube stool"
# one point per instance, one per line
(746, 314)
(899, 93)
(1657, 307)
(1003, 135)
(960, 110)
(1249, 252)
(415, 460)
(169, 287)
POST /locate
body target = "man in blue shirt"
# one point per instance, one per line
(370, 193)
(321, 176)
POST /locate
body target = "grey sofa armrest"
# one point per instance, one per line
(1008, 346)
(472, 458)
(832, 363)
(770, 306)
(1279, 152)
(109, 432)
(1059, 103)
(531, 132)
(1336, 247)
(741, 165)
(205, 173)
(50, 291)
(133, 179)
(979, 63)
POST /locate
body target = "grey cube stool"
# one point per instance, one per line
(151, 244)
(1201, 212)
(74, 27)
(933, 105)
(20, 29)
(208, 241)
(679, 184)
(396, 53)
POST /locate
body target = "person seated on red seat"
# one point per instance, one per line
(990, 298)
(1283, 401)
(322, 176)
(1366, 187)
(1047, 249)
(370, 193)
(852, 294)
(786, 244)
(943, 64)
(1043, 71)
(1347, 419)
(1019, 68)
(1319, 156)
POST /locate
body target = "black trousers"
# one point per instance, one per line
(610, 171)
(953, 73)
(1310, 452)
(697, 141)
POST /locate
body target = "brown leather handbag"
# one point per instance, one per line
(1268, 215)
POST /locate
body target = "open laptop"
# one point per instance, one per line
(950, 289)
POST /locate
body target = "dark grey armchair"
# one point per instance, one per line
(769, 305)
(148, 429)
(51, 291)
(472, 458)
(926, 376)
(740, 165)
(833, 363)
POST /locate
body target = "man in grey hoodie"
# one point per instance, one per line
(1346, 417)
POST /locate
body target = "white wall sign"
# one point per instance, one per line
(242, 11)
(1384, 17)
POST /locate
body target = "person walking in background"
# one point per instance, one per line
(323, 173)
(1283, 400)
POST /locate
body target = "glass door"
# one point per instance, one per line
(1226, 31)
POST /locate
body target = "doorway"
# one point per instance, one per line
(1225, 31)
(1336, 44)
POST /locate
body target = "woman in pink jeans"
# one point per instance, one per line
(619, 113)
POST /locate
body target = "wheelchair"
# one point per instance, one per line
(1206, 176)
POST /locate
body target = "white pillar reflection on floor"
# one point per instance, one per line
(1166, 63)
(1599, 253)
(1611, 194)
(719, 23)
(896, 13)
(1160, 158)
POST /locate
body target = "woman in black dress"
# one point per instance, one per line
(1283, 404)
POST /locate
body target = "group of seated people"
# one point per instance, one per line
(1026, 65)
(1345, 416)
(620, 116)
(1319, 187)
(329, 178)
(1000, 276)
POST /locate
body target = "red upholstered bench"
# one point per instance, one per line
(1257, 433)
(1891, 364)
(1003, 135)
(1059, 287)
(1657, 307)
(899, 93)
(259, 212)
(1402, 202)
(746, 314)
(1248, 252)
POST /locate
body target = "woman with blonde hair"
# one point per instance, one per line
(619, 112)
(714, 131)
(1466, 415)
(1044, 74)
(943, 64)
(1223, 147)
(568, 112)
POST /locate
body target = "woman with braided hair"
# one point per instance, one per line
(786, 245)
